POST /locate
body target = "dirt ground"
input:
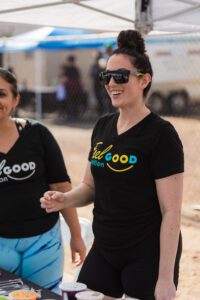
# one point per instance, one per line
(75, 143)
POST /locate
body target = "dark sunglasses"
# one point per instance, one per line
(119, 76)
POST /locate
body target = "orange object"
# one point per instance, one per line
(23, 295)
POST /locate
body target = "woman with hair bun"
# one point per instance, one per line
(135, 178)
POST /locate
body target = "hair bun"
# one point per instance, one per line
(131, 39)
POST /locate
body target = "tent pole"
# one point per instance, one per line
(143, 16)
(38, 94)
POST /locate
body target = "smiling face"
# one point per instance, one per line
(125, 94)
(7, 100)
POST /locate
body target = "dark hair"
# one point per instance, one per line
(11, 79)
(71, 58)
(131, 43)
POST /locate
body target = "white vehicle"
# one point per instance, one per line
(176, 65)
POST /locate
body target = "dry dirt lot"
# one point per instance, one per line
(75, 143)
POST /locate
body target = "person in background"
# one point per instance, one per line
(135, 179)
(61, 96)
(102, 97)
(98, 88)
(31, 162)
(76, 94)
(108, 52)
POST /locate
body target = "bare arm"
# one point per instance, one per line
(169, 192)
(81, 195)
(78, 249)
(69, 214)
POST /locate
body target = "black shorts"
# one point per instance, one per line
(117, 273)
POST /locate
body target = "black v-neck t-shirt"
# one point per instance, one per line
(34, 162)
(125, 167)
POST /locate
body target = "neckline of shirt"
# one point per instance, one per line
(146, 118)
(20, 130)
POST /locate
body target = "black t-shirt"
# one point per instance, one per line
(124, 167)
(72, 72)
(34, 162)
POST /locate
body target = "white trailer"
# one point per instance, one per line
(176, 65)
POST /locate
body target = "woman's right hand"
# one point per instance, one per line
(53, 201)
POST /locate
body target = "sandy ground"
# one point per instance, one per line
(75, 143)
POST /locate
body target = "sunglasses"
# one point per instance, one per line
(119, 76)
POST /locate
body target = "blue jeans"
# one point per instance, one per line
(39, 259)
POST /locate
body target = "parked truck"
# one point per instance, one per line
(176, 65)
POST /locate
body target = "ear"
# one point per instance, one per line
(145, 79)
(16, 101)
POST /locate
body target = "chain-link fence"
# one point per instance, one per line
(175, 88)
(175, 94)
(176, 82)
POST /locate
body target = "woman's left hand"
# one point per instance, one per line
(78, 250)
(165, 290)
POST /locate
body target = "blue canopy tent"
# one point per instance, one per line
(51, 39)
